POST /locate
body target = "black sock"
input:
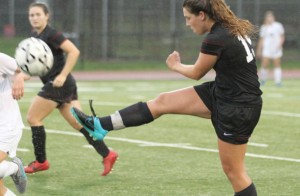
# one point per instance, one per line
(99, 146)
(106, 123)
(134, 115)
(39, 143)
(249, 191)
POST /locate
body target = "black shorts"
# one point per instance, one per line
(233, 124)
(64, 94)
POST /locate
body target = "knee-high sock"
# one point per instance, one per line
(249, 191)
(99, 146)
(277, 75)
(7, 168)
(134, 115)
(263, 74)
(39, 143)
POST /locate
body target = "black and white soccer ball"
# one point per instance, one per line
(34, 57)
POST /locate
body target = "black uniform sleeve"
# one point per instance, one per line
(214, 42)
(212, 46)
(55, 38)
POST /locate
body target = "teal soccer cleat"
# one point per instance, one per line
(90, 123)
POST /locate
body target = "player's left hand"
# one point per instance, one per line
(59, 81)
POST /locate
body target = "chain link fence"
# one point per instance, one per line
(140, 29)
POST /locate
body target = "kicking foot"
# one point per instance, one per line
(90, 123)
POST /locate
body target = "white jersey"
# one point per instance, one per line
(271, 35)
(10, 116)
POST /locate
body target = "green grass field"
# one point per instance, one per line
(173, 156)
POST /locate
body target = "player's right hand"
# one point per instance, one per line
(173, 60)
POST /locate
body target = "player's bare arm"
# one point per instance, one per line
(203, 64)
(72, 55)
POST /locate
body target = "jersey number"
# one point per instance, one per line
(249, 51)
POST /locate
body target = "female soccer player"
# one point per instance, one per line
(270, 46)
(232, 102)
(11, 124)
(59, 91)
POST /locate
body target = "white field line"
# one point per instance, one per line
(258, 145)
(285, 114)
(180, 146)
(23, 149)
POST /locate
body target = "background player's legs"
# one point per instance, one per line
(232, 159)
(109, 156)
(277, 71)
(264, 70)
(65, 112)
(39, 109)
(99, 146)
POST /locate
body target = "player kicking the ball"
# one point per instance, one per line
(232, 102)
(11, 124)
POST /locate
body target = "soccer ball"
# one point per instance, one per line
(34, 57)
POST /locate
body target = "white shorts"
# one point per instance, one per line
(9, 143)
(272, 54)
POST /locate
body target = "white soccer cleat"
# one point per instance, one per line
(19, 178)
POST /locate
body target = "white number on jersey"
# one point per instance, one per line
(249, 51)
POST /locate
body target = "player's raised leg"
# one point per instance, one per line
(183, 101)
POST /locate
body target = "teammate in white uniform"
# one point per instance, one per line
(270, 47)
(11, 124)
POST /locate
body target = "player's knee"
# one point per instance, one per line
(234, 174)
(230, 171)
(161, 100)
(157, 105)
(32, 120)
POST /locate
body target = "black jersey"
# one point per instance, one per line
(54, 39)
(236, 71)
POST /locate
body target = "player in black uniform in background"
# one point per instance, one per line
(232, 102)
(59, 91)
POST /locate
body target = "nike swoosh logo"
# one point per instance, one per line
(227, 134)
(90, 123)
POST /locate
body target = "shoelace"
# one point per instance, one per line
(91, 107)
